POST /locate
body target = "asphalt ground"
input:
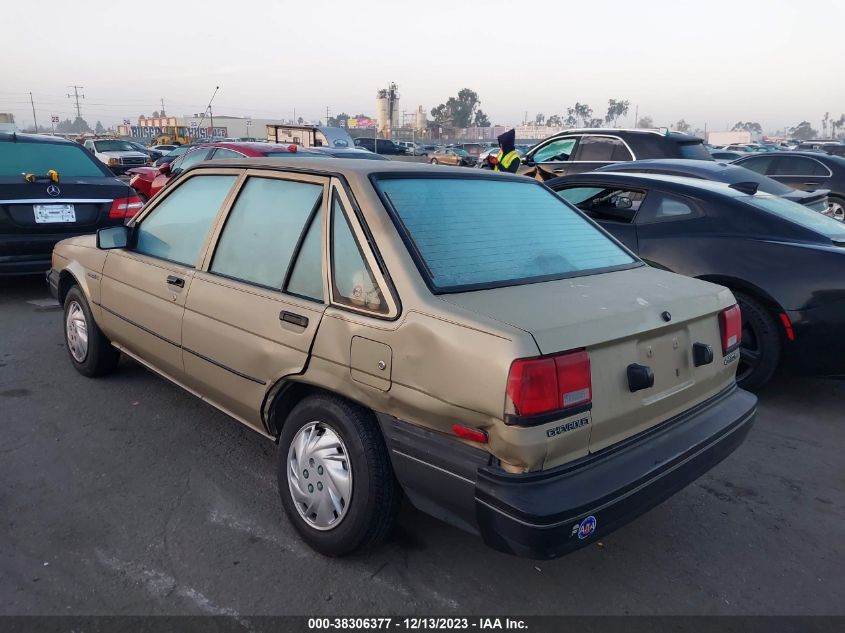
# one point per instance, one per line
(125, 495)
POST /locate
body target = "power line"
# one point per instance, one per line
(76, 95)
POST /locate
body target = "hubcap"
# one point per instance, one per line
(319, 475)
(77, 332)
(837, 211)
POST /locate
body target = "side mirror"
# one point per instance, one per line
(528, 161)
(113, 237)
(164, 168)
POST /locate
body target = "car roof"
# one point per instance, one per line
(678, 136)
(820, 156)
(678, 182)
(689, 165)
(15, 137)
(359, 170)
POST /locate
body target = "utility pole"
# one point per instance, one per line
(327, 116)
(76, 96)
(162, 106)
(637, 116)
(34, 120)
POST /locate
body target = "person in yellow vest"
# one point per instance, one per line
(508, 158)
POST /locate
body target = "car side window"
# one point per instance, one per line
(353, 283)
(192, 158)
(760, 164)
(176, 229)
(797, 166)
(222, 153)
(601, 149)
(555, 151)
(612, 204)
(306, 277)
(263, 229)
(662, 207)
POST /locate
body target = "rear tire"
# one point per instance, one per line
(90, 352)
(335, 478)
(759, 352)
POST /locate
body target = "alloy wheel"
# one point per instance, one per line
(319, 475)
(76, 328)
(837, 211)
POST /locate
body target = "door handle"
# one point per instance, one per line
(173, 280)
(811, 184)
(295, 319)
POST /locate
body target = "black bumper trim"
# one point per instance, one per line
(537, 515)
(52, 276)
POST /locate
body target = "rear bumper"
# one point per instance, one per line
(550, 513)
(53, 282)
(22, 254)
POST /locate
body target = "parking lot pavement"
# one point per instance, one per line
(125, 495)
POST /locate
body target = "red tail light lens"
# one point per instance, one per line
(730, 325)
(551, 383)
(125, 208)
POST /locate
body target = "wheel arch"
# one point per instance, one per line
(285, 394)
(67, 280)
(740, 285)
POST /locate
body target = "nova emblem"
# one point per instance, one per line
(53, 190)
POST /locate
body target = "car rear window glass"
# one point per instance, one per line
(306, 278)
(113, 146)
(293, 155)
(474, 233)
(263, 229)
(70, 161)
(798, 166)
(601, 149)
(799, 214)
(695, 150)
(760, 164)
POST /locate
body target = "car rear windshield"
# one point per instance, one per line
(69, 160)
(694, 150)
(799, 214)
(470, 234)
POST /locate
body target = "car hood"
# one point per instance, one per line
(584, 311)
(123, 154)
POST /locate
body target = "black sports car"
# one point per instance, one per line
(809, 171)
(51, 189)
(727, 173)
(783, 262)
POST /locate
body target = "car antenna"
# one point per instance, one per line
(749, 188)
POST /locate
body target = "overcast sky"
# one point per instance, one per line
(716, 62)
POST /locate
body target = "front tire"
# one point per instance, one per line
(759, 352)
(335, 479)
(91, 353)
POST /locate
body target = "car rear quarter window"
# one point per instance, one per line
(353, 284)
(476, 233)
(264, 227)
(177, 227)
(69, 160)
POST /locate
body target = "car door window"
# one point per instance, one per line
(605, 203)
(306, 278)
(263, 229)
(601, 149)
(222, 153)
(662, 207)
(353, 283)
(177, 227)
(797, 166)
(760, 164)
(555, 151)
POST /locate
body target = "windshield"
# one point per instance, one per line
(482, 233)
(799, 214)
(113, 146)
(695, 150)
(177, 151)
(37, 158)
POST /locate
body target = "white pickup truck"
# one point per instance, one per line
(116, 154)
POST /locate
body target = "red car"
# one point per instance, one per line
(148, 181)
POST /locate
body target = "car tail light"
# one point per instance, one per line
(123, 208)
(550, 383)
(293, 148)
(730, 325)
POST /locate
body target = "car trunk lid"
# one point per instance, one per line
(642, 316)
